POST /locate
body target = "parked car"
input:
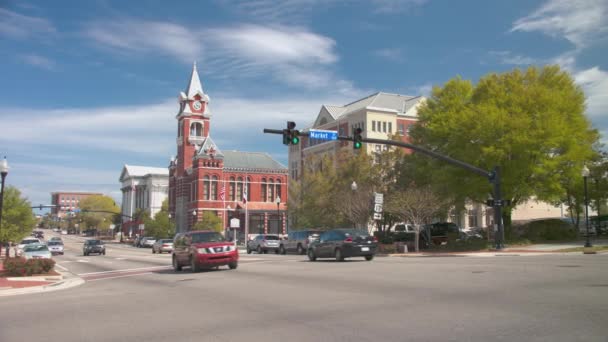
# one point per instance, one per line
(298, 241)
(36, 251)
(203, 249)
(264, 243)
(26, 242)
(162, 245)
(93, 246)
(147, 242)
(343, 243)
(55, 246)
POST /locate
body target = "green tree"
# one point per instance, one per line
(530, 123)
(98, 211)
(209, 221)
(18, 221)
(160, 226)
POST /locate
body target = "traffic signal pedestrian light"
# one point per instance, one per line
(357, 139)
(291, 136)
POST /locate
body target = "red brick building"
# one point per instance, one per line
(250, 186)
(66, 201)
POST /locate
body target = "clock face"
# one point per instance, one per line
(197, 105)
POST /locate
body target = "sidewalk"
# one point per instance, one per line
(10, 286)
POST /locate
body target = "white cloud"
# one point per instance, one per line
(20, 26)
(578, 21)
(144, 37)
(595, 84)
(39, 61)
(391, 54)
(508, 57)
(395, 6)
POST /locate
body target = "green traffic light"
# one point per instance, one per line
(358, 145)
(295, 140)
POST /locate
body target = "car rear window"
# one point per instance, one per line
(35, 248)
(166, 241)
(28, 241)
(271, 237)
(207, 237)
(95, 242)
(356, 233)
(55, 243)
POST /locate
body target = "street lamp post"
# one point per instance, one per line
(3, 173)
(353, 187)
(585, 174)
(278, 202)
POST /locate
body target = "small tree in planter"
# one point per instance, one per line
(417, 205)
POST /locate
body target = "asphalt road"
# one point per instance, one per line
(136, 297)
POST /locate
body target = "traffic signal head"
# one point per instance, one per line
(295, 137)
(291, 125)
(286, 137)
(357, 143)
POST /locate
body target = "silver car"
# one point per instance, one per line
(26, 242)
(264, 243)
(36, 251)
(162, 245)
(55, 246)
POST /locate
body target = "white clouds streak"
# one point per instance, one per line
(595, 83)
(391, 54)
(20, 26)
(578, 21)
(39, 61)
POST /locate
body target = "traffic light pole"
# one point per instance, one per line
(493, 176)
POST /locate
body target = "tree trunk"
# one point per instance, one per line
(417, 240)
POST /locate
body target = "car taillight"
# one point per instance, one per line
(375, 239)
(165, 245)
(348, 239)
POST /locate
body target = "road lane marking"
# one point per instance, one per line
(120, 258)
(153, 268)
(80, 260)
(63, 268)
(118, 276)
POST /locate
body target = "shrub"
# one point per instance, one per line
(20, 267)
(548, 230)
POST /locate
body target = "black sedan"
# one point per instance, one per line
(93, 246)
(343, 243)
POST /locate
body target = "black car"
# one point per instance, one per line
(343, 243)
(94, 246)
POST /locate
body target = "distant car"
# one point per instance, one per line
(162, 245)
(203, 249)
(298, 241)
(343, 243)
(56, 238)
(25, 242)
(147, 241)
(136, 241)
(36, 251)
(264, 243)
(93, 246)
(56, 230)
(55, 246)
(64, 232)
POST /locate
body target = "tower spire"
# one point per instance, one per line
(194, 86)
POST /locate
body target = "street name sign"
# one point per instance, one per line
(378, 198)
(322, 134)
(377, 216)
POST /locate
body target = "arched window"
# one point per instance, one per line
(278, 187)
(232, 189)
(239, 189)
(264, 189)
(196, 129)
(270, 190)
(206, 187)
(214, 188)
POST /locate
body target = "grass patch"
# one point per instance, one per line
(582, 249)
(462, 246)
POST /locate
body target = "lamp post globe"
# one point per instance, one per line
(585, 174)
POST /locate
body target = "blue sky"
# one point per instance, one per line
(88, 86)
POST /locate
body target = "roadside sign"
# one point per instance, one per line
(112, 226)
(322, 134)
(377, 216)
(378, 208)
(141, 226)
(235, 223)
(378, 198)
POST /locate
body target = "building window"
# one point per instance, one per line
(206, 185)
(341, 131)
(196, 129)
(390, 127)
(384, 126)
(472, 213)
(214, 188)
(248, 185)
(270, 190)
(232, 189)
(180, 128)
(239, 189)
(378, 148)
(407, 132)
(401, 130)
(278, 191)
(264, 187)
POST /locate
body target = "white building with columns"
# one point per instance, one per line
(143, 187)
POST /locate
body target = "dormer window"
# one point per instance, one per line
(196, 129)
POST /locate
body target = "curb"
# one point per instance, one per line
(69, 280)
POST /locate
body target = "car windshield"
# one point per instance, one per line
(55, 243)
(95, 242)
(207, 237)
(271, 237)
(35, 248)
(166, 241)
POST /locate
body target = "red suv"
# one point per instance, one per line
(203, 249)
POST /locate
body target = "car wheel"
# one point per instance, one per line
(282, 250)
(233, 265)
(176, 266)
(248, 250)
(104, 253)
(276, 251)
(300, 250)
(369, 257)
(259, 250)
(311, 255)
(153, 251)
(338, 255)
(265, 251)
(194, 265)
